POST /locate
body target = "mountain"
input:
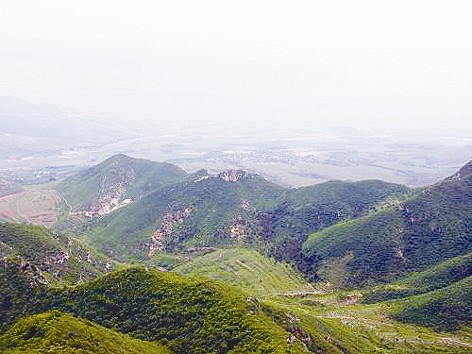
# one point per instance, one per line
(206, 210)
(426, 229)
(201, 211)
(433, 278)
(310, 209)
(114, 183)
(438, 297)
(56, 332)
(32, 259)
(337, 321)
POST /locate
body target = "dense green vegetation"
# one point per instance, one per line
(310, 209)
(436, 277)
(56, 332)
(188, 315)
(428, 228)
(335, 320)
(215, 205)
(445, 309)
(273, 219)
(358, 252)
(33, 258)
(19, 293)
(49, 256)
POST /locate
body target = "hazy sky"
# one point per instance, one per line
(391, 63)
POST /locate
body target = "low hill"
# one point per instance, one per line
(56, 332)
(32, 259)
(428, 228)
(115, 183)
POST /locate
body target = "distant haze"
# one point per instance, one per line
(396, 66)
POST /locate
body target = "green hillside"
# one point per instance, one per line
(49, 257)
(209, 211)
(188, 315)
(427, 229)
(56, 332)
(445, 309)
(32, 259)
(436, 277)
(198, 212)
(247, 269)
(310, 209)
(199, 315)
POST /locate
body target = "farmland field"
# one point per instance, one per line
(33, 205)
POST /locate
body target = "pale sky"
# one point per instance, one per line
(388, 63)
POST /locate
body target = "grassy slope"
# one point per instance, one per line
(247, 269)
(31, 259)
(425, 230)
(349, 198)
(278, 220)
(56, 332)
(359, 251)
(309, 209)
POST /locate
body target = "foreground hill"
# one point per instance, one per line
(186, 315)
(200, 315)
(32, 259)
(56, 332)
(48, 257)
(428, 228)
(115, 183)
